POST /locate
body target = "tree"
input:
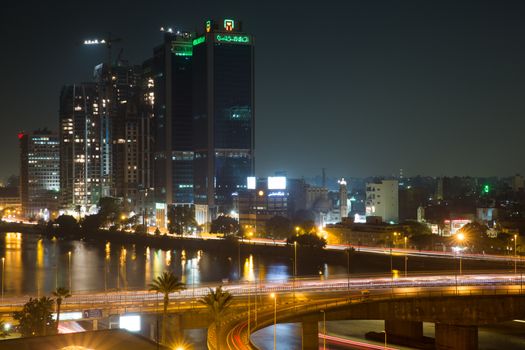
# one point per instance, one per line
(91, 223)
(181, 219)
(308, 240)
(36, 318)
(415, 228)
(217, 301)
(225, 225)
(60, 294)
(279, 227)
(109, 209)
(67, 225)
(166, 284)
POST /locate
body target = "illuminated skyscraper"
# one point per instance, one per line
(81, 180)
(169, 95)
(39, 173)
(223, 114)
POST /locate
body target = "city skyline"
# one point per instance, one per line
(402, 84)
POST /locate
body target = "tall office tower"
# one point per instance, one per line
(122, 127)
(169, 95)
(223, 115)
(39, 173)
(343, 200)
(81, 138)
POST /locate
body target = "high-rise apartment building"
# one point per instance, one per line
(223, 114)
(170, 96)
(382, 199)
(39, 173)
(123, 128)
(82, 180)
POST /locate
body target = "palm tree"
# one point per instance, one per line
(166, 283)
(217, 303)
(60, 294)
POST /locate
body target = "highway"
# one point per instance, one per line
(143, 299)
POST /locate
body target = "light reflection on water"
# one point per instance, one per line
(38, 266)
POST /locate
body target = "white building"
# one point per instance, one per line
(382, 200)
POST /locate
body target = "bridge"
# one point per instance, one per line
(403, 302)
(457, 311)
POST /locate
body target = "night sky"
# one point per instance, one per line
(357, 87)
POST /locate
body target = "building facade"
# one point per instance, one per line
(82, 180)
(39, 173)
(223, 114)
(382, 200)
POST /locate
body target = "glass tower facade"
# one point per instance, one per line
(223, 113)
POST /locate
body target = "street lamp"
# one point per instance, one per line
(3, 278)
(460, 237)
(274, 296)
(324, 329)
(69, 270)
(515, 254)
(406, 257)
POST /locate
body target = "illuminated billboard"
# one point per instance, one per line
(130, 322)
(251, 183)
(277, 183)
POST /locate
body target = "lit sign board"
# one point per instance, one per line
(182, 50)
(251, 183)
(229, 24)
(130, 323)
(65, 316)
(277, 183)
(208, 27)
(199, 40)
(238, 39)
(277, 194)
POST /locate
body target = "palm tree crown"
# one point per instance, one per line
(61, 293)
(167, 283)
(217, 301)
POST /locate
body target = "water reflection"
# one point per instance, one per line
(38, 266)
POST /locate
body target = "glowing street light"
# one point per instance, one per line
(460, 237)
(69, 269)
(274, 297)
(515, 254)
(3, 278)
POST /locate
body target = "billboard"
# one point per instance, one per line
(277, 182)
(130, 322)
(251, 183)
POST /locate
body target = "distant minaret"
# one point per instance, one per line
(343, 199)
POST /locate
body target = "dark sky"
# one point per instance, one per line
(358, 87)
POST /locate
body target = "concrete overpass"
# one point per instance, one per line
(456, 313)
(301, 301)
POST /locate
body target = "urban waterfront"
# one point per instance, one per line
(35, 265)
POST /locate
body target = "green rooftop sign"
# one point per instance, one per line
(238, 39)
(199, 40)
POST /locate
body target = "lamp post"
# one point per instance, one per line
(324, 329)
(294, 269)
(3, 277)
(348, 269)
(515, 254)
(406, 257)
(69, 270)
(460, 237)
(385, 338)
(274, 296)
